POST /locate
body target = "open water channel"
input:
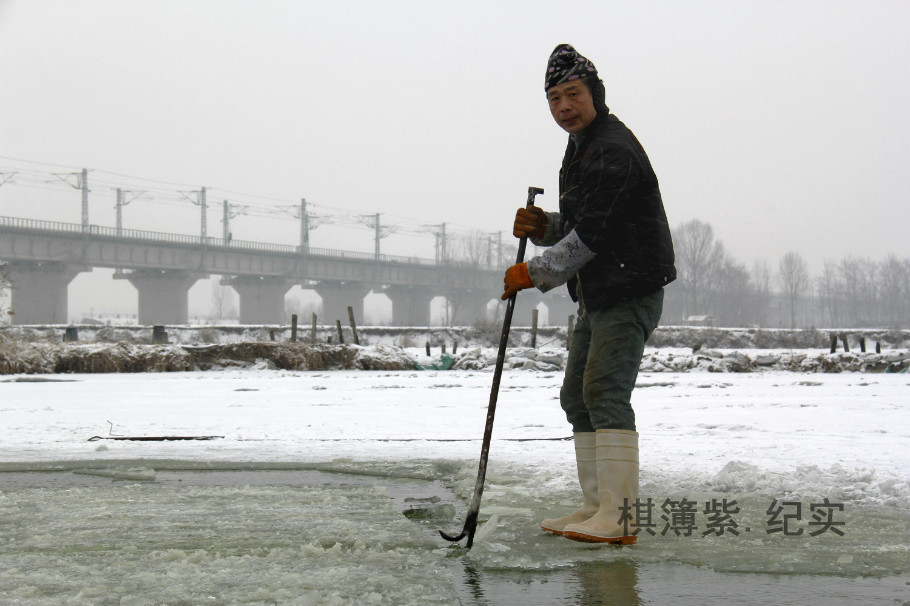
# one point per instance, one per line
(133, 536)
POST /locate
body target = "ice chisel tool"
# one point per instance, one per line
(470, 523)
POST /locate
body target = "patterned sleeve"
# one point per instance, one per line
(559, 262)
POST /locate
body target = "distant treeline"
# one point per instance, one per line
(713, 288)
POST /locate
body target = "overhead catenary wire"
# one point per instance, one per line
(162, 195)
(103, 184)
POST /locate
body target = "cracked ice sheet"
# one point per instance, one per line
(747, 437)
(140, 544)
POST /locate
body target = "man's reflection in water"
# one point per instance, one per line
(603, 583)
(612, 583)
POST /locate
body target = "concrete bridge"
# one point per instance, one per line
(42, 257)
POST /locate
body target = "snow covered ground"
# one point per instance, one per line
(131, 533)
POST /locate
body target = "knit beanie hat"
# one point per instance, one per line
(566, 64)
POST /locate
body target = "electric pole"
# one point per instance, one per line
(304, 228)
(440, 241)
(226, 223)
(200, 202)
(119, 212)
(202, 223)
(308, 221)
(226, 219)
(378, 236)
(121, 202)
(83, 185)
(372, 221)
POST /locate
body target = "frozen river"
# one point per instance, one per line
(300, 499)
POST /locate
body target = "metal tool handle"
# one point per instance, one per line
(470, 524)
(523, 242)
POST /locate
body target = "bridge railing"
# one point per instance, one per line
(60, 228)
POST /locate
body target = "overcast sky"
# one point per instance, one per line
(783, 124)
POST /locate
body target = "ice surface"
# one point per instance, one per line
(755, 438)
(140, 544)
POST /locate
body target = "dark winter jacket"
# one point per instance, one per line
(610, 240)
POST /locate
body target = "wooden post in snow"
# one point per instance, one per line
(159, 335)
(353, 325)
(313, 329)
(293, 328)
(534, 315)
(340, 334)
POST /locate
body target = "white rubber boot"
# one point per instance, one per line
(586, 461)
(617, 479)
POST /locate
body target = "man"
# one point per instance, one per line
(610, 243)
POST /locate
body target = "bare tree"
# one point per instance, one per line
(830, 289)
(470, 249)
(894, 278)
(466, 254)
(860, 285)
(870, 293)
(849, 271)
(852, 292)
(223, 299)
(732, 290)
(698, 258)
(761, 279)
(794, 278)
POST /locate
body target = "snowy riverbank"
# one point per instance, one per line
(47, 357)
(475, 336)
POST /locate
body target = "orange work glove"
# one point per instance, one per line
(516, 279)
(530, 221)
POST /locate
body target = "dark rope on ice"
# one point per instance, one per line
(153, 438)
(203, 438)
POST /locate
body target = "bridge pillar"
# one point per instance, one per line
(39, 291)
(162, 294)
(410, 305)
(471, 307)
(338, 296)
(261, 298)
(559, 308)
